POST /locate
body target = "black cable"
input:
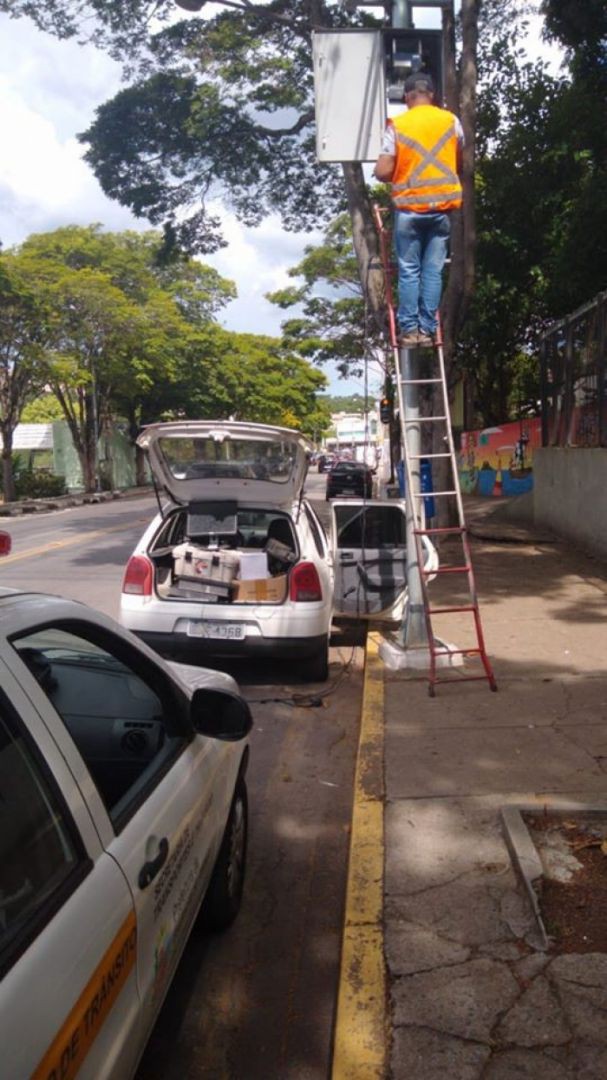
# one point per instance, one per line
(308, 701)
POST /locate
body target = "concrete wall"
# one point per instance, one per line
(116, 457)
(570, 494)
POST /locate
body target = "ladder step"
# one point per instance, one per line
(450, 610)
(456, 652)
(449, 570)
(430, 494)
(422, 457)
(444, 529)
(418, 382)
(423, 419)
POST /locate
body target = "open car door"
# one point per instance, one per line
(369, 548)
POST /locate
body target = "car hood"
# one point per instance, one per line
(200, 460)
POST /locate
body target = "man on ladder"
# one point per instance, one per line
(421, 157)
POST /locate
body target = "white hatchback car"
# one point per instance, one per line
(123, 810)
(237, 562)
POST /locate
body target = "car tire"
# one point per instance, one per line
(224, 894)
(316, 668)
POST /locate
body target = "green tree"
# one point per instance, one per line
(246, 377)
(542, 152)
(92, 321)
(333, 324)
(23, 336)
(42, 410)
(123, 320)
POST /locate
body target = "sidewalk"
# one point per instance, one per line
(468, 996)
(64, 502)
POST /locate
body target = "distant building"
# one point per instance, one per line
(357, 434)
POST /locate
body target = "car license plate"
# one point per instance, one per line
(216, 631)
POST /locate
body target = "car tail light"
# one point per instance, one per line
(138, 576)
(5, 543)
(305, 583)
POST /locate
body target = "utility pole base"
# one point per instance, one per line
(398, 657)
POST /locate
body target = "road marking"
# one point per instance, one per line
(56, 545)
(360, 1046)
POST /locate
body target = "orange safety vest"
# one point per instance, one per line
(425, 176)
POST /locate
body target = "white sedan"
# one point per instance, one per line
(123, 818)
(237, 563)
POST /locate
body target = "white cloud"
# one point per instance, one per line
(48, 92)
(257, 260)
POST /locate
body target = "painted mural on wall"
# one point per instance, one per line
(499, 460)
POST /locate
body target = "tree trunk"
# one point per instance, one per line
(81, 423)
(8, 480)
(366, 243)
(460, 285)
(134, 426)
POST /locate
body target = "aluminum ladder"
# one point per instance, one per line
(437, 379)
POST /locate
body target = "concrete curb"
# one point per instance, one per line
(61, 502)
(526, 861)
(361, 1031)
(524, 854)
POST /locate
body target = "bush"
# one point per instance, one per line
(39, 485)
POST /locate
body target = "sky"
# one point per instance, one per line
(49, 90)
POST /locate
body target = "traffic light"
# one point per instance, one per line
(386, 411)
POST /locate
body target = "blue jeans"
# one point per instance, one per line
(421, 248)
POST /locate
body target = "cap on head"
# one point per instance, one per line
(419, 83)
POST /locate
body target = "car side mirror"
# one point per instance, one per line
(220, 714)
(5, 543)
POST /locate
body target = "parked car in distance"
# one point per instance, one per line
(123, 815)
(350, 478)
(325, 461)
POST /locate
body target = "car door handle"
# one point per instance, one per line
(150, 869)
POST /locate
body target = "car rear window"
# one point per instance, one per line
(205, 457)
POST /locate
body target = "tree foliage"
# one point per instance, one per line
(541, 225)
(23, 336)
(219, 105)
(117, 332)
(333, 323)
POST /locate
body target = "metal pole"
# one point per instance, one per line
(413, 629)
(401, 14)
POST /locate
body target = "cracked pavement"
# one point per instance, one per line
(470, 997)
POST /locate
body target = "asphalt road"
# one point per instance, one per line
(259, 1000)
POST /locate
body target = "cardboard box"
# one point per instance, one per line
(272, 590)
(253, 565)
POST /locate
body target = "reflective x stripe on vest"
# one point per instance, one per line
(432, 184)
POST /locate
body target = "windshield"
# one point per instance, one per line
(209, 457)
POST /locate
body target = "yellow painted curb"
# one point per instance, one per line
(360, 1046)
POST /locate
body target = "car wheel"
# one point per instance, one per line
(224, 894)
(316, 668)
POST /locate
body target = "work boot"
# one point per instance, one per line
(425, 341)
(410, 340)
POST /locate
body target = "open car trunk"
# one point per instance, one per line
(219, 553)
